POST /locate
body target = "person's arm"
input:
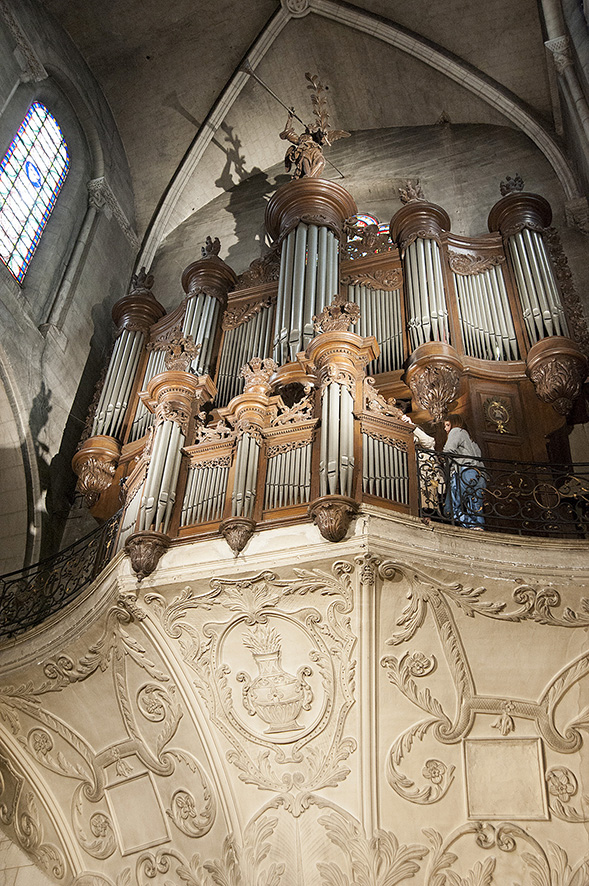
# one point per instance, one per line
(423, 439)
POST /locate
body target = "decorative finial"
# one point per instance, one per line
(180, 352)
(211, 247)
(336, 317)
(411, 192)
(511, 185)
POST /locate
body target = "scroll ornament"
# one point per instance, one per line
(375, 402)
(383, 279)
(468, 263)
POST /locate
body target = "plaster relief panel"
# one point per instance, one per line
(137, 814)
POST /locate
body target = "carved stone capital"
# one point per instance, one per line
(308, 199)
(237, 531)
(433, 375)
(95, 465)
(210, 274)
(418, 219)
(145, 549)
(102, 198)
(332, 514)
(557, 369)
(519, 210)
(561, 53)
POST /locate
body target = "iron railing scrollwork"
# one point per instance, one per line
(31, 595)
(524, 498)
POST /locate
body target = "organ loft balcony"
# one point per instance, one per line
(303, 389)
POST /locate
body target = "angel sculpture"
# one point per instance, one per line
(306, 151)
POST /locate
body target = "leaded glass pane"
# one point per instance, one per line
(31, 175)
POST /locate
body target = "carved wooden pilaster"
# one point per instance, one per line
(418, 220)
(557, 369)
(309, 200)
(520, 210)
(171, 395)
(433, 375)
(95, 465)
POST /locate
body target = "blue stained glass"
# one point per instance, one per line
(31, 175)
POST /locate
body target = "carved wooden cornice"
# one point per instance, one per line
(138, 310)
(433, 375)
(172, 395)
(237, 315)
(210, 275)
(309, 200)
(95, 465)
(340, 357)
(520, 210)
(384, 279)
(418, 220)
(469, 263)
(557, 369)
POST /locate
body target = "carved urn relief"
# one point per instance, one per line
(274, 695)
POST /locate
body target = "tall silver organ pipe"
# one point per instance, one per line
(426, 299)
(308, 281)
(143, 417)
(243, 497)
(288, 477)
(206, 486)
(336, 465)
(385, 470)
(159, 491)
(485, 315)
(541, 305)
(240, 343)
(114, 399)
(380, 315)
(200, 321)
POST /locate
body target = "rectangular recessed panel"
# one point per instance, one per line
(505, 778)
(137, 813)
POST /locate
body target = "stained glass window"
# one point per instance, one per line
(31, 175)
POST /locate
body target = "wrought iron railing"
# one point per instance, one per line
(544, 500)
(29, 596)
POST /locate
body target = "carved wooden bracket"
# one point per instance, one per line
(237, 531)
(95, 465)
(332, 514)
(433, 375)
(557, 369)
(145, 549)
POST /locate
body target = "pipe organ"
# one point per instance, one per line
(230, 438)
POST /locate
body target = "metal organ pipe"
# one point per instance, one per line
(541, 306)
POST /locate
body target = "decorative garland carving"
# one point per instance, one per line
(212, 433)
(302, 410)
(432, 233)
(383, 279)
(468, 263)
(570, 298)
(364, 239)
(237, 315)
(280, 448)
(265, 269)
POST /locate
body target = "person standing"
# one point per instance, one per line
(467, 477)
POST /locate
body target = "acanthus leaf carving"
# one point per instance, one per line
(383, 279)
(558, 381)
(470, 263)
(237, 315)
(435, 387)
(336, 317)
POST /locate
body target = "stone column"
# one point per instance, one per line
(96, 460)
(307, 217)
(417, 229)
(339, 359)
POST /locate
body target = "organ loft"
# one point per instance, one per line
(283, 655)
